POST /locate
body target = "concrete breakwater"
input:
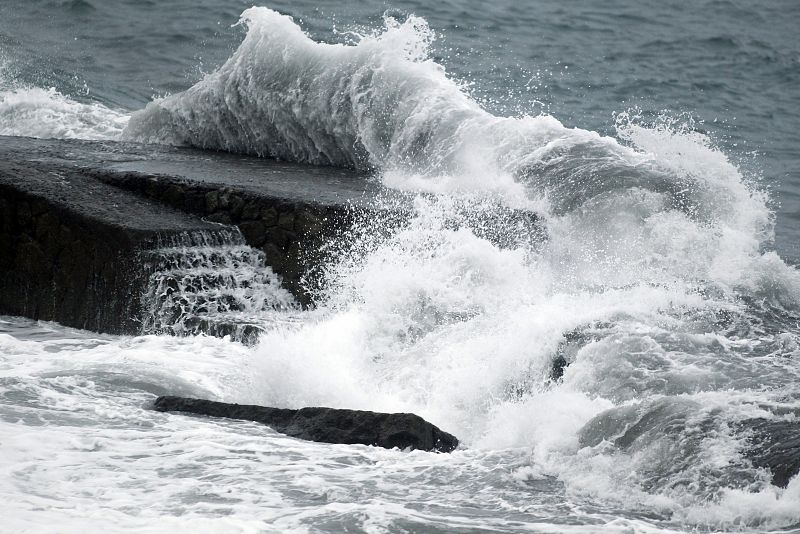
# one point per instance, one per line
(75, 217)
(326, 425)
(69, 247)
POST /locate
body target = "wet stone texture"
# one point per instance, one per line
(327, 425)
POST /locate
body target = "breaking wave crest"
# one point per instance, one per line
(382, 103)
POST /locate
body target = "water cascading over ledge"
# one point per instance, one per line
(212, 283)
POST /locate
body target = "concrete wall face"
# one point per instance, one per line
(58, 266)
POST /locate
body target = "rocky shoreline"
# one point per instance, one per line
(70, 245)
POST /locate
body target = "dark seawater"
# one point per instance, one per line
(659, 142)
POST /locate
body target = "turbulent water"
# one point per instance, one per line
(656, 143)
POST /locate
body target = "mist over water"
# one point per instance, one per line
(652, 272)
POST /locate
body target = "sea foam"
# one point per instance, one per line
(47, 113)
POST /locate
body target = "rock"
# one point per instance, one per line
(254, 232)
(557, 367)
(327, 425)
(251, 211)
(269, 216)
(567, 351)
(212, 201)
(286, 221)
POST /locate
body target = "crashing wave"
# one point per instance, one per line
(384, 104)
(653, 284)
(381, 103)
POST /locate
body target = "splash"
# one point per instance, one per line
(379, 104)
(47, 113)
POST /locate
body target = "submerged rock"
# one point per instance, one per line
(327, 425)
(671, 433)
(774, 445)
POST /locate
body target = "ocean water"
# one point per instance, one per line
(657, 141)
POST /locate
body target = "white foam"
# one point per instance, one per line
(83, 451)
(439, 321)
(47, 113)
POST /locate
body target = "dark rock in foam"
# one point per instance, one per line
(327, 425)
(774, 444)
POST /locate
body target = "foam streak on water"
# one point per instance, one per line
(650, 276)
